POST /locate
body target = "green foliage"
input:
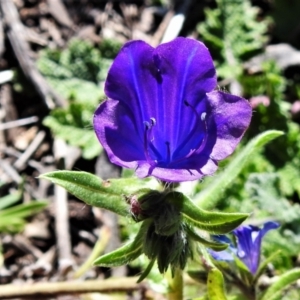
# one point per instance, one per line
(94, 191)
(215, 285)
(213, 222)
(76, 73)
(75, 131)
(232, 34)
(272, 84)
(275, 291)
(79, 60)
(109, 48)
(210, 196)
(126, 253)
(13, 219)
(265, 195)
(284, 154)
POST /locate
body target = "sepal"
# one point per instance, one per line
(207, 243)
(212, 222)
(126, 253)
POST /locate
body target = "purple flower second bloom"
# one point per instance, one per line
(249, 243)
(248, 248)
(163, 116)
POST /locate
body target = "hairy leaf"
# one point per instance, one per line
(107, 194)
(211, 195)
(275, 291)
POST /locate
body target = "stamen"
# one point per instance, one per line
(147, 125)
(147, 136)
(203, 143)
(153, 121)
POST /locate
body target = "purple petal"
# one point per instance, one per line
(224, 255)
(187, 74)
(230, 117)
(117, 133)
(266, 228)
(249, 243)
(131, 80)
(188, 173)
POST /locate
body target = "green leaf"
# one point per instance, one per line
(213, 222)
(47, 66)
(79, 89)
(126, 253)
(107, 194)
(146, 271)
(264, 264)
(209, 198)
(9, 200)
(274, 292)
(12, 219)
(215, 285)
(210, 244)
(198, 275)
(22, 210)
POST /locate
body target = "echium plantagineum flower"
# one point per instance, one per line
(163, 116)
(248, 248)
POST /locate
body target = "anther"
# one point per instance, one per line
(147, 125)
(153, 121)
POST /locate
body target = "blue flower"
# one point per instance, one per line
(164, 116)
(248, 248)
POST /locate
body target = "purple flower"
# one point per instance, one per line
(163, 117)
(248, 245)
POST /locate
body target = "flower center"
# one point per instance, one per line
(195, 140)
(193, 143)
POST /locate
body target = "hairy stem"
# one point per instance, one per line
(175, 285)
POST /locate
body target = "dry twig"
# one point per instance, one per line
(59, 12)
(41, 290)
(16, 35)
(22, 160)
(19, 122)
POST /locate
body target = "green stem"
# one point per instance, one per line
(97, 250)
(175, 285)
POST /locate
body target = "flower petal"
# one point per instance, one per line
(224, 255)
(266, 228)
(116, 131)
(189, 172)
(229, 118)
(187, 74)
(246, 250)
